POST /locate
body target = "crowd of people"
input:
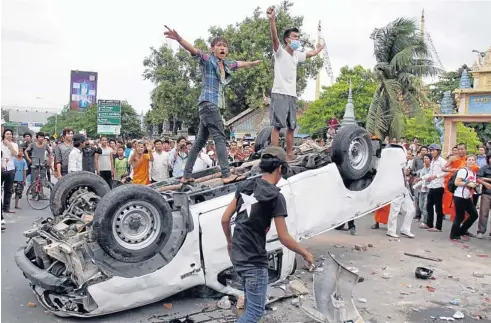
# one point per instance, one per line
(456, 186)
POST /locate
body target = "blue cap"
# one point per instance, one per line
(434, 147)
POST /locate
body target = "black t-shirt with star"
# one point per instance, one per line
(258, 202)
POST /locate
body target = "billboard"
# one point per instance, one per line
(83, 90)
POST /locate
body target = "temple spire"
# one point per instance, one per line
(349, 112)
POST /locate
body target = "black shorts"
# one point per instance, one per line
(283, 111)
(18, 189)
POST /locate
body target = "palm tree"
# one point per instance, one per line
(403, 59)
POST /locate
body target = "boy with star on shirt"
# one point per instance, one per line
(256, 203)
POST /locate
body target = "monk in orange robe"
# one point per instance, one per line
(454, 163)
(381, 216)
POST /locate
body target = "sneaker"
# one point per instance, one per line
(408, 234)
(4, 225)
(480, 235)
(352, 231)
(392, 235)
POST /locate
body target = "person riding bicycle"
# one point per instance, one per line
(36, 155)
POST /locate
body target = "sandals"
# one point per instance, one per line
(434, 230)
(235, 179)
(186, 180)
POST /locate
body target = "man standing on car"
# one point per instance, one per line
(283, 107)
(257, 202)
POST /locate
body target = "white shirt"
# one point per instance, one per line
(160, 166)
(285, 71)
(75, 160)
(8, 156)
(468, 176)
(202, 162)
(436, 170)
(104, 161)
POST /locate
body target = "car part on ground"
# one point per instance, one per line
(333, 294)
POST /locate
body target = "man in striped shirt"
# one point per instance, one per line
(216, 74)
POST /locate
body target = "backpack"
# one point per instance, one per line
(451, 183)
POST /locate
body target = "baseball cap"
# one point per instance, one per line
(434, 147)
(274, 151)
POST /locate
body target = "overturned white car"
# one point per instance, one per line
(105, 251)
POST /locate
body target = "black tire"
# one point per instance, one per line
(137, 206)
(69, 183)
(352, 152)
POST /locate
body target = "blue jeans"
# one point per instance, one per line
(255, 283)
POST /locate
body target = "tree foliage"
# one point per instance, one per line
(333, 99)
(176, 75)
(87, 120)
(422, 127)
(403, 58)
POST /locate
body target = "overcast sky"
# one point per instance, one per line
(42, 40)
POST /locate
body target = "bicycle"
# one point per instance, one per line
(37, 191)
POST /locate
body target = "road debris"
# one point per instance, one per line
(362, 300)
(297, 287)
(370, 245)
(455, 301)
(386, 276)
(32, 304)
(430, 289)
(458, 315)
(445, 318)
(478, 274)
(224, 303)
(168, 305)
(240, 302)
(360, 247)
(422, 257)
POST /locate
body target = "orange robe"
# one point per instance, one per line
(382, 214)
(141, 171)
(448, 205)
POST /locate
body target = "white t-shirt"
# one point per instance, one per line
(160, 166)
(8, 157)
(202, 162)
(285, 71)
(104, 160)
(75, 160)
(462, 191)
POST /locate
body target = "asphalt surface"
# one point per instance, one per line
(16, 293)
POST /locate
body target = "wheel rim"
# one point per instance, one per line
(358, 153)
(136, 225)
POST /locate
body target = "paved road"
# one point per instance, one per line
(16, 292)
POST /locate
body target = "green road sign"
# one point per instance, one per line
(108, 114)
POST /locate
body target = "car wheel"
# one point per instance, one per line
(263, 138)
(352, 152)
(132, 223)
(72, 184)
